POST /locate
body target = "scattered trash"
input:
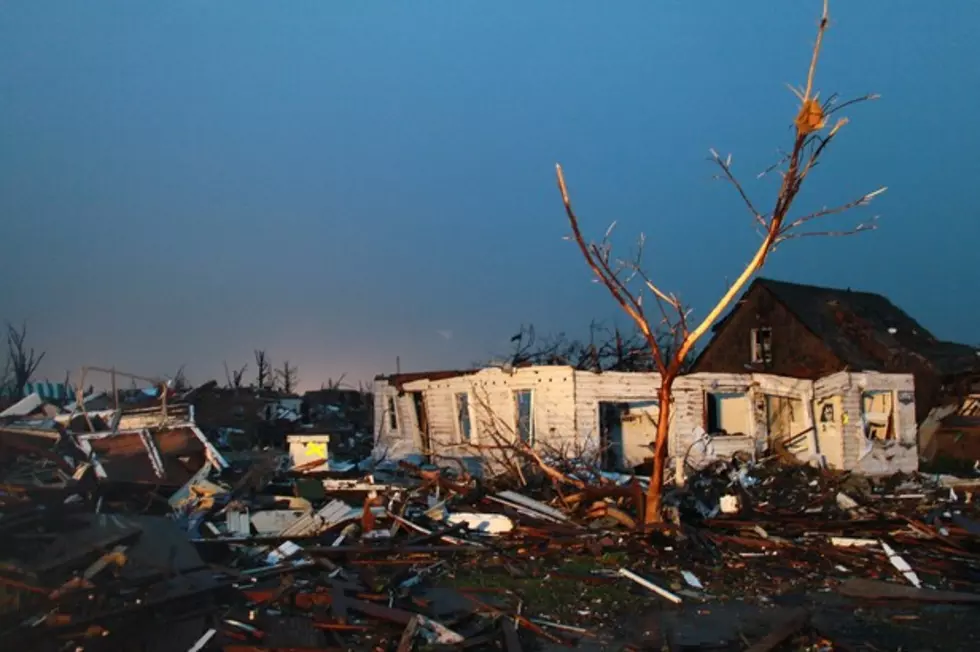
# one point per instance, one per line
(692, 580)
(729, 504)
(846, 502)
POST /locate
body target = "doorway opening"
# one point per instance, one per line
(627, 430)
(422, 419)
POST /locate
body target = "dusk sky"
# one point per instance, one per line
(341, 183)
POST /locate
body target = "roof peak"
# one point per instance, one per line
(764, 281)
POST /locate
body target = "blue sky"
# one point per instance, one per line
(341, 183)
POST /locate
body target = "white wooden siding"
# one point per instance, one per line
(394, 443)
(493, 407)
(593, 388)
(566, 412)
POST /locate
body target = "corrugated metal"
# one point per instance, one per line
(334, 512)
(50, 391)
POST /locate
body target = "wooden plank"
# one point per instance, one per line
(878, 590)
(407, 641)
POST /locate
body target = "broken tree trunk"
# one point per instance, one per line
(653, 511)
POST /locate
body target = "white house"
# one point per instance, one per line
(862, 421)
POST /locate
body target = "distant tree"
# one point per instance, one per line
(605, 350)
(7, 377)
(235, 377)
(180, 382)
(287, 377)
(264, 378)
(22, 361)
(334, 384)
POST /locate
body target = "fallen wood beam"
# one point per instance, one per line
(407, 641)
(878, 590)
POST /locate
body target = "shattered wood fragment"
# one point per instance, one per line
(21, 586)
(483, 523)
(407, 640)
(901, 565)
(203, 641)
(578, 631)
(848, 542)
(419, 528)
(531, 504)
(662, 592)
(436, 633)
(340, 627)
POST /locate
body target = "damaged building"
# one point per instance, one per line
(810, 332)
(838, 376)
(613, 415)
(154, 446)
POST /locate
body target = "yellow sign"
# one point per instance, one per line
(316, 450)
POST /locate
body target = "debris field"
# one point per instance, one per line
(157, 540)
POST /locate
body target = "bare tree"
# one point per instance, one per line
(334, 384)
(288, 377)
(235, 378)
(264, 376)
(605, 350)
(180, 382)
(810, 140)
(22, 361)
(7, 376)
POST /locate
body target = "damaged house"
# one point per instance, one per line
(153, 446)
(839, 376)
(613, 415)
(832, 336)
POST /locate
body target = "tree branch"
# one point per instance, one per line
(726, 168)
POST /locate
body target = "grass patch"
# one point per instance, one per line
(554, 587)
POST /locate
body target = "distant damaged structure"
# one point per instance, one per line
(155, 445)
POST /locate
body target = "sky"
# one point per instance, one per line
(342, 184)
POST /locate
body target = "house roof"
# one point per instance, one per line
(399, 380)
(867, 331)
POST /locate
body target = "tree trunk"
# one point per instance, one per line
(653, 512)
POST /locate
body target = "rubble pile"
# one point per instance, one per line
(144, 536)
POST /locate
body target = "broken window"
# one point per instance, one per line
(392, 415)
(762, 345)
(525, 416)
(727, 413)
(463, 416)
(877, 410)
